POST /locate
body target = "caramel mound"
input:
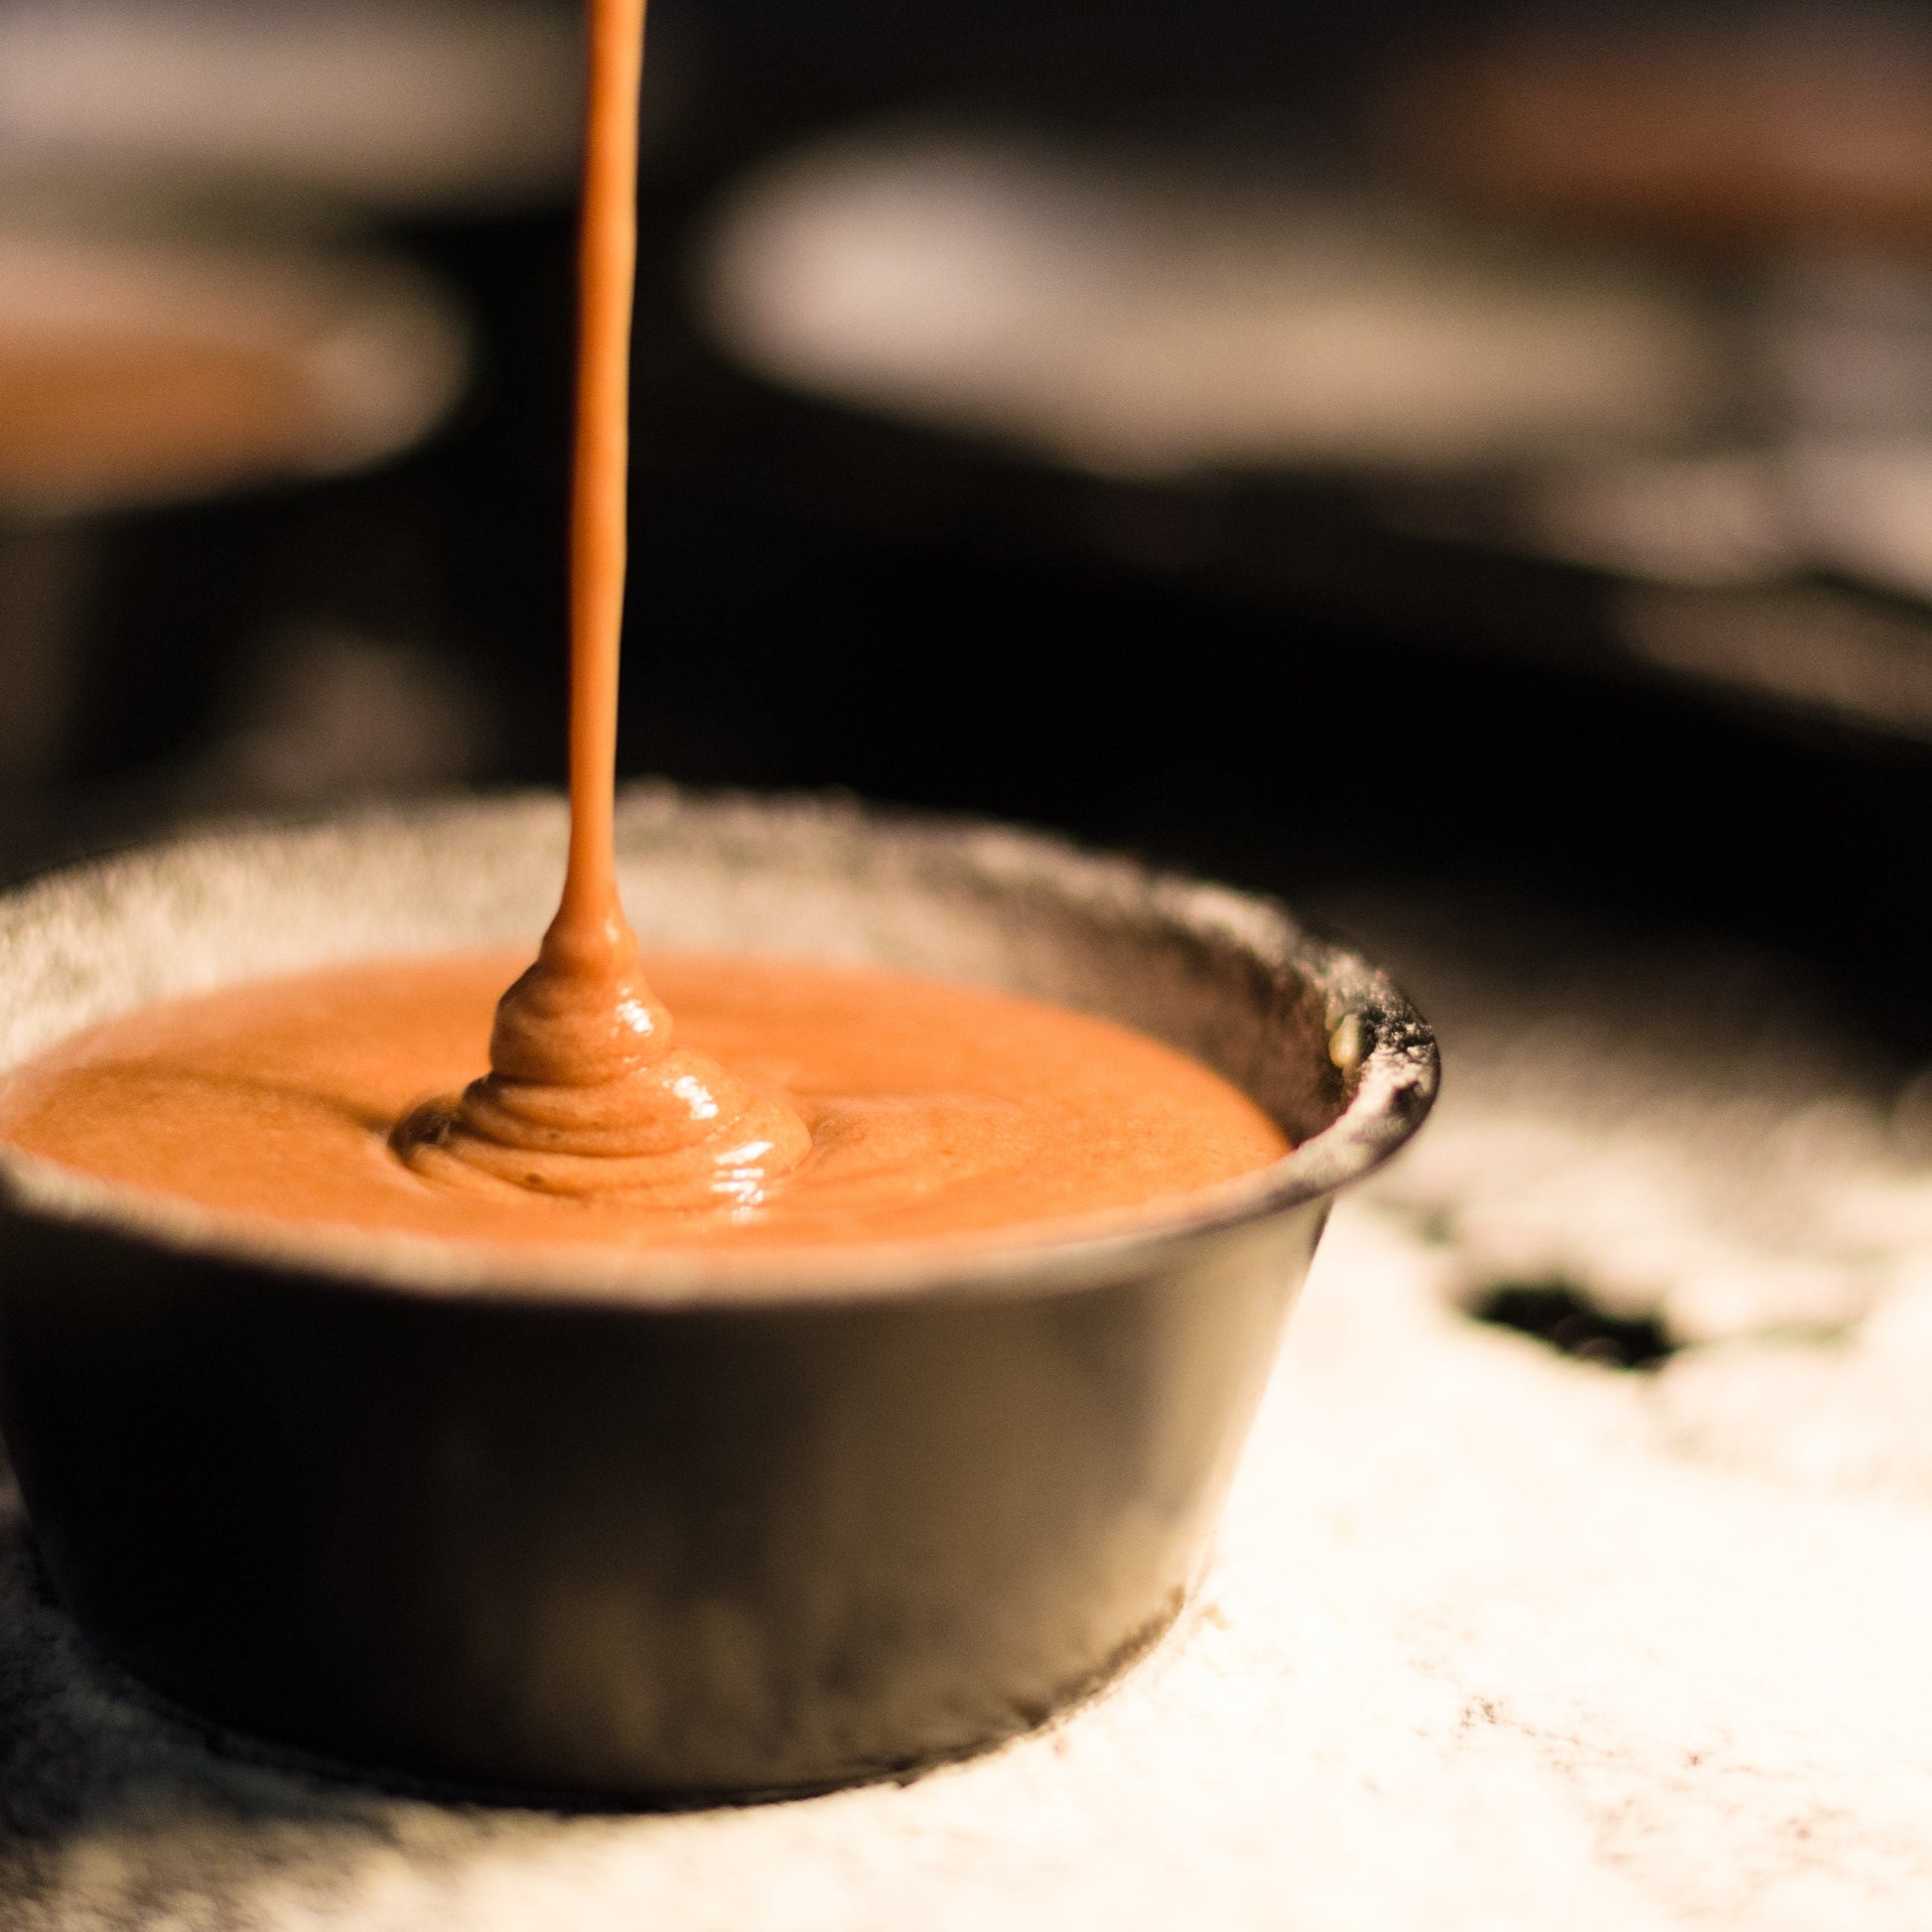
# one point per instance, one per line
(587, 1095)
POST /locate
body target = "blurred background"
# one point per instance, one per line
(1465, 466)
(1418, 452)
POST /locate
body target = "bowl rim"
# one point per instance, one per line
(1393, 1087)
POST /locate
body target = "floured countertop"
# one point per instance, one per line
(1496, 1638)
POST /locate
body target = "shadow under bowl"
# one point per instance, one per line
(622, 1527)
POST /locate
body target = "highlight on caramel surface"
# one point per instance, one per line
(932, 1111)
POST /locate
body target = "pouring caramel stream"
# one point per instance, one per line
(587, 1094)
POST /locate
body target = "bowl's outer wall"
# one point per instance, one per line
(549, 1547)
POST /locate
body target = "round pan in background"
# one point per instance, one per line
(187, 321)
(1137, 317)
(150, 359)
(154, 368)
(1336, 403)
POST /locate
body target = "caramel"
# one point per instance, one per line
(935, 1111)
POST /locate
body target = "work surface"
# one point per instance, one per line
(1496, 1637)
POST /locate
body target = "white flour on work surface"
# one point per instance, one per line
(1495, 1638)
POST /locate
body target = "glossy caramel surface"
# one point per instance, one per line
(933, 1111)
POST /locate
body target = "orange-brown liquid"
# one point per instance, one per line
(935, 1111)
(586, 1092)
(795, 1104)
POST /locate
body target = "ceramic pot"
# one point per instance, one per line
(619, 1527)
